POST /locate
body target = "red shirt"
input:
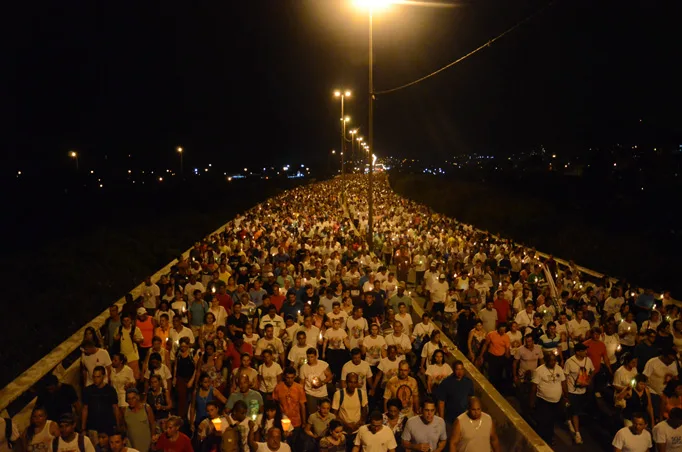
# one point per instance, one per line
(225, 300)
(235, 355)
(182, 444)
(596, 350)
(502, 307)
(277, 301)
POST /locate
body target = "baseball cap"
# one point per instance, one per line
(67, 418)
(270, 274)
(141, 311)
(442, 276)
(402, 285)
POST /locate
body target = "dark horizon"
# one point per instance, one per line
(253, 82)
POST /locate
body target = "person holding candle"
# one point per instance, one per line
(292, 399)
(253, 399)
(314, 374)
(272, 417)
(627, 331)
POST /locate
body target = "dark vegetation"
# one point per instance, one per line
(629, 236)
(68, 257)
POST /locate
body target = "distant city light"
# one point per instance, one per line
(92, 172)
(160, 179)
(130, 171)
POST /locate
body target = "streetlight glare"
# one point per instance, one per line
(73, 154)
(373, 4)
(179, 149)
(347, 93)
(337, 93)
(346, 119)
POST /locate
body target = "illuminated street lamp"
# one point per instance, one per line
(74, 155)
(344, 119)
(179, 149)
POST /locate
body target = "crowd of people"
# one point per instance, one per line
(290, 329)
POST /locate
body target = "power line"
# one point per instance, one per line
(459, 60)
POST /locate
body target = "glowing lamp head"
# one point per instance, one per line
(179, 149)
(347, 93)
(73, 154)
(373, 5)
(337, 93)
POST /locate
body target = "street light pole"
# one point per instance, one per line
(370, 185)
(343, 95)
(181, 169)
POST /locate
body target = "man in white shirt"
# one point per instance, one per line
(660, 370)
(273, 440)
(191, 286)
(548, 390)
(578, 327)
(350, 404)
(635, 438)
(93, 357)
(668, 433)
(438, 292)
(150, 294)
(69, 440)
(359, 367)
(579, 371)
(375, 436)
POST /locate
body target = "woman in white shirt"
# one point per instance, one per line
(437, 371)
(121, 377)
(40, 433)
(430, 348)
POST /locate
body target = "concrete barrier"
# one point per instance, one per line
(513, 431)
(52, 362)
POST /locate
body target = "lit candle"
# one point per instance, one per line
(618, 348)
(286, 424)
(253, 417)
(556, 352)
(218, 424)
(213, 289)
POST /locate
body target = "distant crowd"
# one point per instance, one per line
(289, 330)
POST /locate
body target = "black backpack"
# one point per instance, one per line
(343, 394)
(116, 347)
(8, 432)
(81, 443)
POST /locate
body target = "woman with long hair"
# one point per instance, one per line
(40, 432)
(211, 363)
(91, 334)
(437, 371)
(270, 417)
(121, 378)
(335, 438)
(184, 374)
(475, 342)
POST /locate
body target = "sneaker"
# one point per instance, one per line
(578, 438)
(569, 424)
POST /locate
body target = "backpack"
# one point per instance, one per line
(81, 443)
(116, 348)
(343, 394)
(231, 439)
(8, 432)
(583, 378)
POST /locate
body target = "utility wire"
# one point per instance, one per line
(459, 60)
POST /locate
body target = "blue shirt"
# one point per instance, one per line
(455, 393)
(292, 310)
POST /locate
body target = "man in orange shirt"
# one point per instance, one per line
(292, 400)
(498, 346)
(596, 351)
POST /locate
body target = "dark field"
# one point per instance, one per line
(623, 235)
(69, 257)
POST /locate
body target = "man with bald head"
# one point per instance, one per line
(474, 431)
(349, 404)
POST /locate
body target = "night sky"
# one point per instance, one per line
(244, 83)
